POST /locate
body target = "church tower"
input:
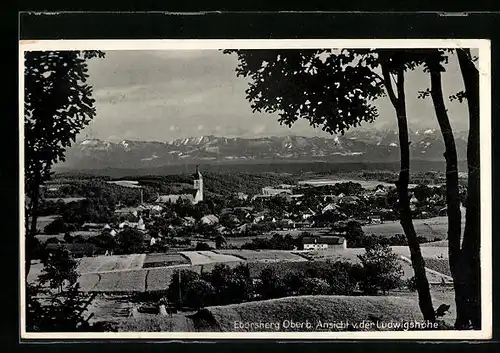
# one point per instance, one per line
(198, 186)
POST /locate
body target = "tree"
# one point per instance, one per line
(59, 269)
(130, 241)
(105, 241)
(382, 270)
(270, 285)
(58, 226)
(334, 89)
(220, 242)
(202, 246)
(294, 282)
(47, 312)
(466, 264)
(58, 103)
(315, 286)
(463, 257)
(231, 285)
(354, 233)
(198, 293)
(180, 283)
(422, 192)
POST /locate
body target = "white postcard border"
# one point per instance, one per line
(195, 44)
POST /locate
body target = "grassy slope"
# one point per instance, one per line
(313, 309)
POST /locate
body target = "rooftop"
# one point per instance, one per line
(323, 240)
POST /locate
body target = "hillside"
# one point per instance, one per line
(314, 309)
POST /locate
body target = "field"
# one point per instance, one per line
(104, 309)
(438, 244)
(159, 278)
(82, 233)
(42, 222)
(110, 263)
(121, 281)
(162, 260)
(207, 257)
(440, 265)
(314, 309)
(176, 323)
(428, 252)
(431, 228)
(264, 256)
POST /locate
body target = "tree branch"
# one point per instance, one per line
(388, 84)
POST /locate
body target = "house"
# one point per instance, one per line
(135, 225)
(324, 242)
(243, 228)
(127, 211)
(188, 221)
(329, 207)
(241, 196)
(259, 217)
(209, 219)
(375, 219)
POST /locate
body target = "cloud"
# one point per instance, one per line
(162, 95)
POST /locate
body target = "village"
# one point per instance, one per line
(317, 214)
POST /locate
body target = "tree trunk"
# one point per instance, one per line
(31, 232)
(452, 190)
(418, 264)
(469, 267)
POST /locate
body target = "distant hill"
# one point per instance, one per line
(355, 147)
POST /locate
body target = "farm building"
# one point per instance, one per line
(324, 242)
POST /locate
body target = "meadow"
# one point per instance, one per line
(431, 228)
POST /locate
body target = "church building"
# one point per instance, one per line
(194, 197)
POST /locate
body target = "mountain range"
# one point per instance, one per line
(354, 146)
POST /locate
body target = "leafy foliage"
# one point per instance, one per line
(130, 241)
(59, 268)
(231, 285)
(332, 90)
(58, 226)
(382, 270)
(63, 312)
(58, 103)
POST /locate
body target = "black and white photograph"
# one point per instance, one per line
(330, 189)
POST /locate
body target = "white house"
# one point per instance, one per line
(324, 242)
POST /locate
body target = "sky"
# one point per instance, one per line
(168, 94)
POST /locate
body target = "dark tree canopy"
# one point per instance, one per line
(330, 89)
(58, 103)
